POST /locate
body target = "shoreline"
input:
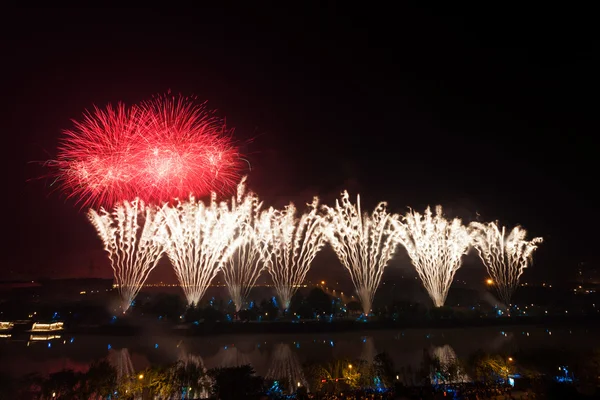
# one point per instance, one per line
(288, 327)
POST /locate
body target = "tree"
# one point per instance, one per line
(191, 378)
(100, 380)
(61, 384)
(319, 301)
(384, 369)
(236, 383)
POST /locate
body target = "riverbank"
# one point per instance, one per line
(131, 327)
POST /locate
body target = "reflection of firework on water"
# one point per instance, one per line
(435, 246)
(191, 359)
(121, 361)
(168, 147)
(294, 244)
(368, 351)
(230, 357)
(285, 367)
(447, 358)
(505, 257)
(200, 239)
(364, 244)
(133, 253)
(191, 362)
(243, 268)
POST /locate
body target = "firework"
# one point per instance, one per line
(133, 253)
(200, 239)
(435, 246)
(363, 243)
(243, 269)
(293, 244)
(505, 257)
(165, 148)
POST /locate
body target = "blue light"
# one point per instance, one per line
(297, 345)
(274, 300)
(72, 340)
(225, 347)
(109, 347)
(331, 343)
(156, 345)
(251, 304)
(49, 344)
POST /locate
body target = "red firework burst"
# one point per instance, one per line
(161, 149)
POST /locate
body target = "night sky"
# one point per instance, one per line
(486, 111)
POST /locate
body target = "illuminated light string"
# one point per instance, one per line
(200, 238)
(435, 247)
(243, 268)
(363, 243)
(292, 244)
(168, 147)
(132, 235)
(505, 256)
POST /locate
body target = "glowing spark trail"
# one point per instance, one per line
(294, 243)
(133, 254)
(363, 243)
(435, 247)
(505, 257)
(243, 269)
(200, 239)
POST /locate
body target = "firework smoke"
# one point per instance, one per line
(165, 148)
(243, 269)
(435, 247)
(293, 244)
(505, 257)
(133, 254)
(363, 243)
(200, 239)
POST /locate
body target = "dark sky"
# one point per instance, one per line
(480, 110)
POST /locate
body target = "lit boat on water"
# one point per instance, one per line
(47, 327)
(6, 325)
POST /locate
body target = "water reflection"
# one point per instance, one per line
(286, 368)
(121, 361)
(231, 356)
(24, 353)
(368, 351)
(446, 369)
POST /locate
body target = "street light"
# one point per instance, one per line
(141, 376)
(350, 366)
(489, 281)
(510, 359)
